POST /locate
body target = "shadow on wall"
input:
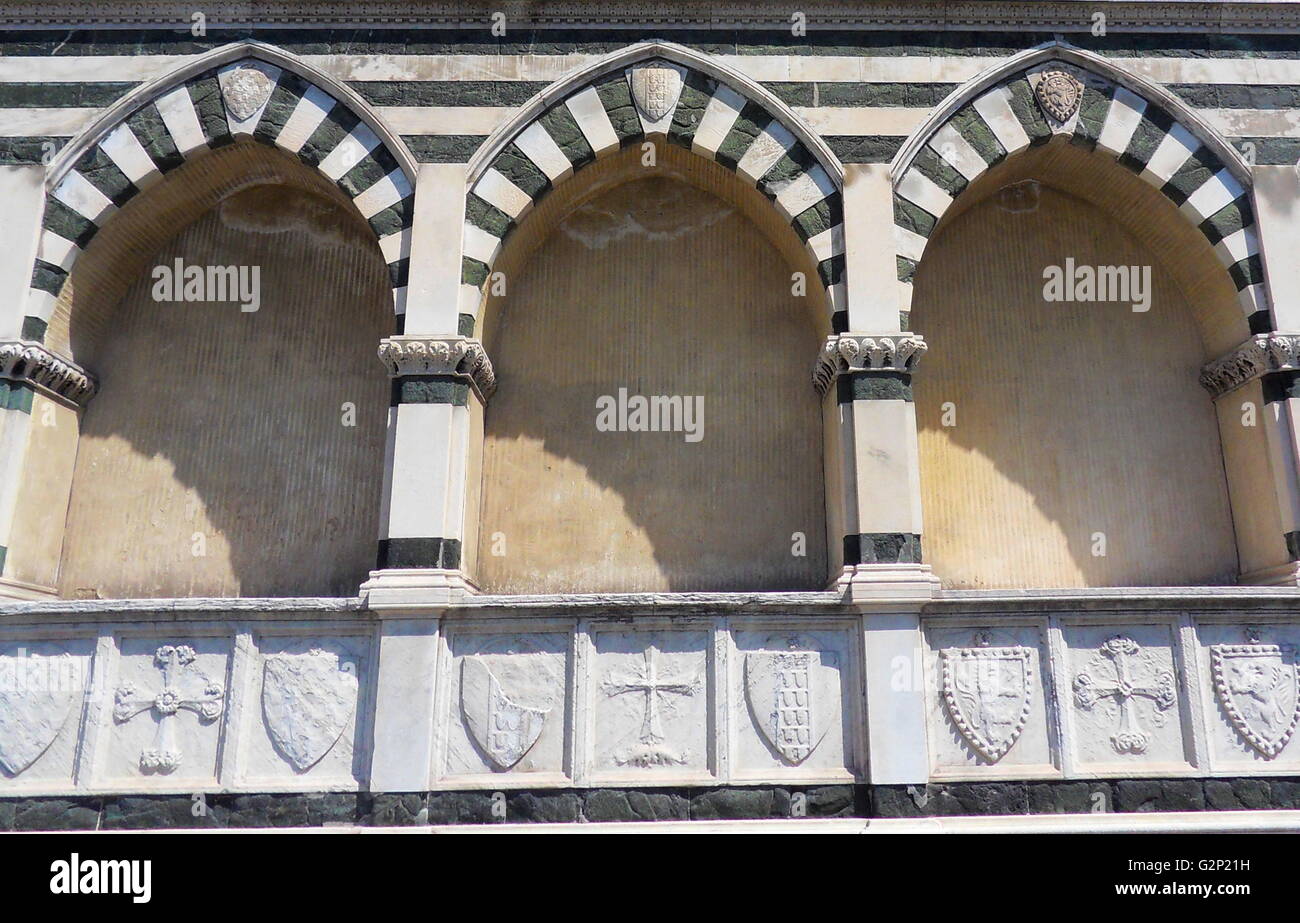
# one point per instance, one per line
(660, 289)
(221, 456)
(1083, 452)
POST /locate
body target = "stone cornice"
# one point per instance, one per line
(1262, 353)
(1055, 15)
(450, 355)
(33, 364)
(858, 352)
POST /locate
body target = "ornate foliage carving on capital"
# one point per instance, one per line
(32, 363)
(857, 352)
(451, 355)
(1262, 353)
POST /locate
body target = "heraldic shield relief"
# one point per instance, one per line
(507, 690)
(39, 684)
(309, 694)
(987, 691)
(1256, 685)
(783, 693)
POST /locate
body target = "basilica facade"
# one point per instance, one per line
(447, 413)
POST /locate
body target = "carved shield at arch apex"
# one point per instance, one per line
(791, 706)
(656, 86)
(247, 87)
(1059, 94)
(1257, 686)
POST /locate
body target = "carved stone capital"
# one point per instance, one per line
(1261, 354)
(33, 364)
(858, 352)
(449, 355)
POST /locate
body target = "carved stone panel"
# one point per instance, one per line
(1251, 695)
(506, 703)
(1125, 698)
(787, 700)
(168, 703)
(650, 702)
(305, 700)
(988, 700)
(42, 689)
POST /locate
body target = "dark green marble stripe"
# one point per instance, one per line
(34, 329)
(821, 217)
(368, 171)
(1267, 151)
(288, 92)
(329, 134)
(47, 277)
(97, 167)
(473, 272)
(515, 165)
(831, 271)
(939, 171)
(616, 98)
(62, 95)
(882, 548)
(30, 149)
(448, 92)
(1028, 113)
(443, 148)
(1247, 272)
(1148, 136)
(484, 215)
(393, 218)
(791, 165)
(152, 133)
(1228, 220)
(749, 124)
(906, 269)
(1093, 109)
(419, 552)
(913, 217)
(697, 91)
(465, 325)
(430, 389)
(856, 94)
(399, 272)
(1199, 169)
(864, 148)
(205, 94)
(1237, 96)
(16, 395)
(564, 131)
(873, 386)
(970, 125)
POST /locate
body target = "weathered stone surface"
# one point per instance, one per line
(284, 810)
(1142, 795)
(383, 809)
(49, 814)
(614, 805)
(740, 804)
(543, 807)
(1067, 797)
(461, 808)
(147, 812)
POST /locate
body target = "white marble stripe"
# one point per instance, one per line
(827, 244)
(496, 189)
(83, 197)
(467, 299)
(58, 250)
(387, 191)
(1252, 298)
(1213, 195)
(995, 109)
(58, 123)
(177, 110)
(306, 117)
(589, 112)
(838, 295)
(764, 151)
(445, 120)
(1170, 155)
(804, 191)
(908, 243)
(957, 152)
(863, 120)
(904, 295)
(1237, 246)
(349, 152)
(542, 150)
(544, 67)
(40, 303)
(719, 115)
(125, 150)
(1122, 119)
(399, 300)
(396, 246)
(480, 245)
(920, 190)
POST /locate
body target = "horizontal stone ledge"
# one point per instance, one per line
(1256, 357)
(33, 364)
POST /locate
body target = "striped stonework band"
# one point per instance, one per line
(1113, 119)
(249, 98)
(700, 113)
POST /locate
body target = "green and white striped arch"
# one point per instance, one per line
(170, 121)
(1145, 129)
(718, 114)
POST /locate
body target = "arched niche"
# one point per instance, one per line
(1068, 443)
(228, 452)
(671, 280)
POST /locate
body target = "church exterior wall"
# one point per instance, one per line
(897, 664)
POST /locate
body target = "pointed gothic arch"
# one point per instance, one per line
(703, 106)
(246, 90)
(1144, 127)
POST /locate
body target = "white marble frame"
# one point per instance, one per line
(1285, 764)
(248, 657)
(1047, 677)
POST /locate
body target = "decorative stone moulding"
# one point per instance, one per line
(1262, 353)
(453, 355)
(856, 352)
(1059, 94)
(32, 363)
